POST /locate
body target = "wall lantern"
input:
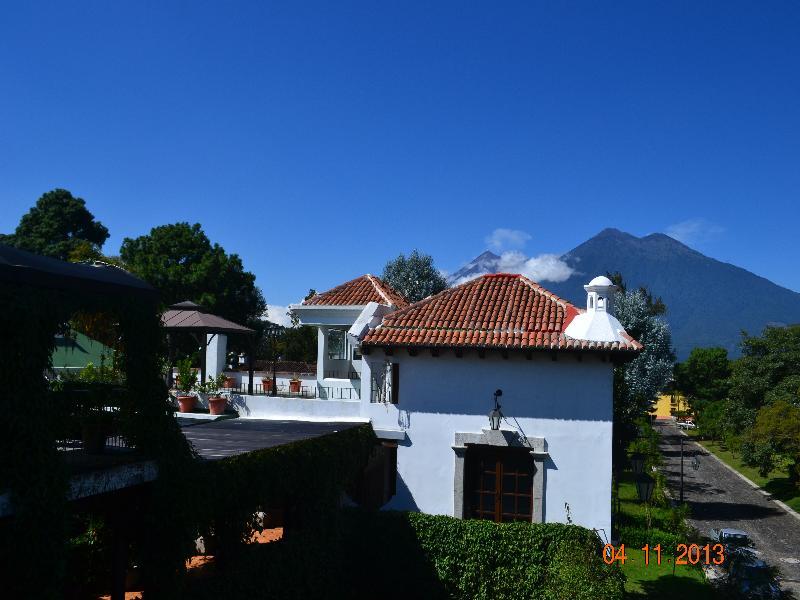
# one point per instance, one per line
(644, 487)
(637, 462)
(495, 416)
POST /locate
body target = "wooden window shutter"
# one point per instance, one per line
(395, 383)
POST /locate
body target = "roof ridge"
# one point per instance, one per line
(378, 288)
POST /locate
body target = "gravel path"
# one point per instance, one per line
(720, 498)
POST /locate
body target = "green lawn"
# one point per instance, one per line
(776, 483)
(655, 581)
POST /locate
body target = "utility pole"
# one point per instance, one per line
(681, 469)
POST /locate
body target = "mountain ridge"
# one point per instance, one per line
(709, 302)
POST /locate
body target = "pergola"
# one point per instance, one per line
(189, 317)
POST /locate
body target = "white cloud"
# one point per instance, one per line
(279, 314)
(504, 239)
(694, 231)
(544, 267)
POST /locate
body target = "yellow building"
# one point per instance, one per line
(669, 403)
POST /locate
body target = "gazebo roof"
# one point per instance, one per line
(20, 266)
(190, 317)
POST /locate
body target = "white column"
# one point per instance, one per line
(322, 343)
(216, 354)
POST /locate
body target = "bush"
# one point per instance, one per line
(363, 554)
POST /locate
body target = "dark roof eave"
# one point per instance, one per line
(204, 329)
(44, 279)
(376, 344)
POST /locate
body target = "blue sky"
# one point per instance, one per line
(320, 140)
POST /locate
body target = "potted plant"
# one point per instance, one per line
(229, 382)
(185, 383)
(294, 384)
(216, 400)
(266, 383)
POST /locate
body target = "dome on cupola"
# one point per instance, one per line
(601, 280)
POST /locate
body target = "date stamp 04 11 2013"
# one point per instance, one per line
(685, 554)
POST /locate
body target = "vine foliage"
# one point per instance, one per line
(33, 474)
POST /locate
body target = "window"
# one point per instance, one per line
(499, 484)
(395, 383)
(356, 353)
(336, 344)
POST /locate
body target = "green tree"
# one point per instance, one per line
(638, 383)
(414, 276)
(704, 377)
(299, 343)
(181, 262)
(775, 439)
(655, 306)
(646, 375)
(57, 226)
(768, 370)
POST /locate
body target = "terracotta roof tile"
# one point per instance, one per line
(493, 311)
(359, 291)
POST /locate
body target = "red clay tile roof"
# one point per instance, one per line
(359, 291)
(492, 311)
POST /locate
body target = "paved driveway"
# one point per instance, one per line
(719, 498)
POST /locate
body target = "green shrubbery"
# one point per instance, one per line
(306, 478)
(360, 554)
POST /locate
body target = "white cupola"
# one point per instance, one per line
(600, 295)
(598, 323)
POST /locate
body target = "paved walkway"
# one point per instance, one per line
(720, 498)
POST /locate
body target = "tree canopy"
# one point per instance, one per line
(415, 276)
(59, 225)
(182, 263)
(638, 383)
(704, 377)
(775, 439)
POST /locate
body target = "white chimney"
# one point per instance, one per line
(598, 323)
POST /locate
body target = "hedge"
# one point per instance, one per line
(637, 537)
(305, 477)
(361, 554)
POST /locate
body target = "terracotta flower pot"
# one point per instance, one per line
(230, 383)
(266, 383)
(217, 404)
(294, 386)
(187, 403)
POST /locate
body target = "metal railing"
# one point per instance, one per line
(94, 410)
(342, 374)
(310, 392)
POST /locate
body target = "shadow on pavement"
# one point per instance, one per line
(724, 511)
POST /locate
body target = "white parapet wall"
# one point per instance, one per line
(296, 409)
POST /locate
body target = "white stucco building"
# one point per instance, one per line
(425, 375)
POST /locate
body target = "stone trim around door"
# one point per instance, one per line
(502, 437)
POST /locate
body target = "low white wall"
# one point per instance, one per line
(566, 402)
(301, 409)
(241, 378)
